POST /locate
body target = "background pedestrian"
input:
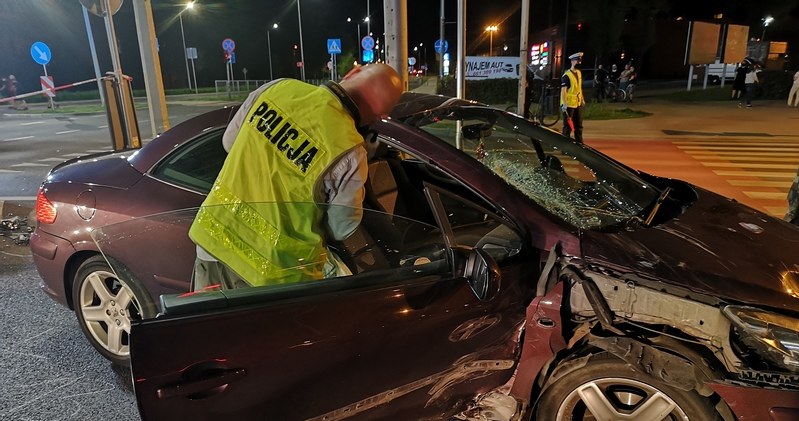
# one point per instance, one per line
(793, 96)
(738, 83)
(750, 83)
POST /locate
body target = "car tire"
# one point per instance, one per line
(615, 390)
(105, 307)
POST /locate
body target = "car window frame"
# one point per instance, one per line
(181, 149)
(421, 157)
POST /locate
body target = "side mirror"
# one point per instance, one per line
(483, 274)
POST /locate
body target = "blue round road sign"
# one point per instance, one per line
(438, 46)
(368, 43)
(41, 53)
(228, 45)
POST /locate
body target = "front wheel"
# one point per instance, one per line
(105, 307)
(609, 389)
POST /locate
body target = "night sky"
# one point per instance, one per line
(59, 23)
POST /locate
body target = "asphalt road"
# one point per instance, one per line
(48, 370)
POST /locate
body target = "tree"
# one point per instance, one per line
(642, 27)
(605, 21)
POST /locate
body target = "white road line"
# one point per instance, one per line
(67, 131)
(30, 164)
(51, 160)
(7, 171)
(16, 198)
(74, 154)
(31, 123)
(18, 138)
(103, 126)
(99, 150)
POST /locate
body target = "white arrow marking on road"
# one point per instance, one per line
(31, 123)
(67, 131)
(18, 138)
(42, 54)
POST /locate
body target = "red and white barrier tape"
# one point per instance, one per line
(57, 88)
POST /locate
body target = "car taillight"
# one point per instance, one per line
(45, 210)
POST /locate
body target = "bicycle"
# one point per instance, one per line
(546, 111)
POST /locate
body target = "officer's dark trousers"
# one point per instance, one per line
(576, 115)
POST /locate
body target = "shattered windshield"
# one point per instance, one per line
(572, 181)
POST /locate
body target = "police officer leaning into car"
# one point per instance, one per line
(291, 146)
(572, 102)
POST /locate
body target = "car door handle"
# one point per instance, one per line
(202, 388)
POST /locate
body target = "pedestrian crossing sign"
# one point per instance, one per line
(334, 46)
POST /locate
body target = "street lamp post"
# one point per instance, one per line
(491, 29)
(269, 47)
(766, 22)
(421, 44)
(189, 5)
(302, 51)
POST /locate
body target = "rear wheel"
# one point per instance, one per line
(105, 307)
(610, 389)
(621, 95)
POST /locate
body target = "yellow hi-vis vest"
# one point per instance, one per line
(260, 217)
(574, 95)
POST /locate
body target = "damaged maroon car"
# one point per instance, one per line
(500, 271)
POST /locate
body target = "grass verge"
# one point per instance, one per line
(608, 112)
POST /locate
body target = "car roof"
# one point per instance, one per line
(409, 104)
(157, 148)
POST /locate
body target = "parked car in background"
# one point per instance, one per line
(499, 267)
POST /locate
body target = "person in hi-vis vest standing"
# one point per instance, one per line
(293, 179)
(572, 101)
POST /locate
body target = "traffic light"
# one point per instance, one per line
(579, 26)
(227, 56)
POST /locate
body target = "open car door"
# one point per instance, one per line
(418, 330)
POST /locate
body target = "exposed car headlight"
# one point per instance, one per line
(772, 336)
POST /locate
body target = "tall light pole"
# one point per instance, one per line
(766, 22)
(269, 47)
(189, 5)
(491, 29)
(302, 51)
(421, 44)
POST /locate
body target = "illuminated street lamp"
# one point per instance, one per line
(491, 29)
(189, 5)
(269, 45)
(766, 21)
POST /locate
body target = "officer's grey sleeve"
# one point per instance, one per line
(343, 188)
(238, 119)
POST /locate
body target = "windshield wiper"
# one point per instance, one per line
(663, 195)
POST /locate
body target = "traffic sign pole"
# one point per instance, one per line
(52, 104)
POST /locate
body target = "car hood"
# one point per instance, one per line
(717, 247)
(110, 169)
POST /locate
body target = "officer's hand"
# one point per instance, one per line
(563, 107)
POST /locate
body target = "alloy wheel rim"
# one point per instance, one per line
(108, 306)
(613, 399)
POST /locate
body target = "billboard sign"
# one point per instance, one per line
(735, 44)
(481, 68)
(704, 43)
